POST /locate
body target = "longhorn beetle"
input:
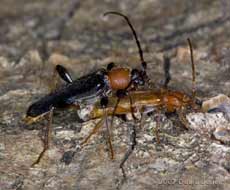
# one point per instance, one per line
(94, 85)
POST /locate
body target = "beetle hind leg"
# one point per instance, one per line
(46, 139)
(109, 137)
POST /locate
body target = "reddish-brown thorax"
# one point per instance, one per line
(119, 78)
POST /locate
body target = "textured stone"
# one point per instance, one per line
(34, 31)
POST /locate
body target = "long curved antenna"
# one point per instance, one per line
(193, 70)
(143, 63)
(167, 64)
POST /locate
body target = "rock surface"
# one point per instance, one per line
(36, 35)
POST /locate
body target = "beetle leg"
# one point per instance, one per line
(167, 75)
(104, 104)
(109, 135)
(46, 139)
(119, 96)
(193, 70)
(130, 149)
(94, 131)
(114, 111)
(131, 107)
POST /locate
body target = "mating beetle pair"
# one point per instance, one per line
(98, 84)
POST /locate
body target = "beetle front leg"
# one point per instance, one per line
(104, 104)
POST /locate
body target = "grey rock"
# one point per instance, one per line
(184, 159)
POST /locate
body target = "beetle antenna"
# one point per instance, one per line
(167, 64)
(143, 63)
(193, 70)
